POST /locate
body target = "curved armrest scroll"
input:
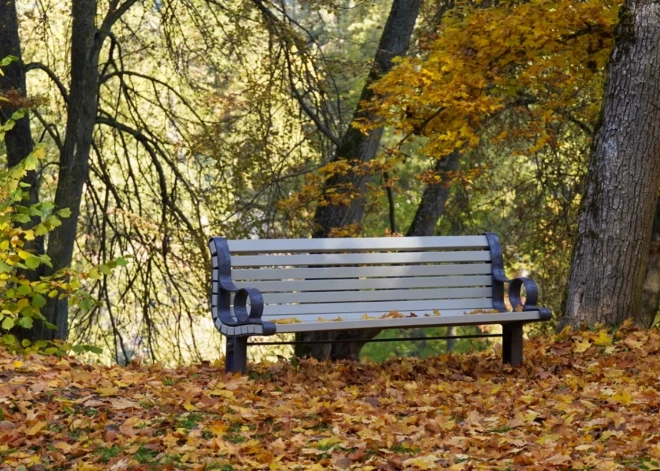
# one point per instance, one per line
(222, 288)
(515, 284)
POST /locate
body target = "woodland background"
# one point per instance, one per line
(160, 123)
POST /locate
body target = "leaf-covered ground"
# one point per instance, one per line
(585, 400)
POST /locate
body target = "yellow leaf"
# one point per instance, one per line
(288, 320)
(603, 339)
(623, 397)
(106, 392)
(188, 406)
(582, 346)
(23, 254)
(36, 428)
(422, 462)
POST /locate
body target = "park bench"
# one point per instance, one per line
(263, 287)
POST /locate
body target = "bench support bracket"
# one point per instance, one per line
(512, 343)
(236, 354)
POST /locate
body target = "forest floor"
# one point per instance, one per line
(582, 400)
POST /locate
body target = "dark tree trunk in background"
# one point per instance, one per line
(429, 211)
(651, 290)
(616, 217)
(86, 43)
(12, 85)
(432, 205)
(356, 146)
(18, 141)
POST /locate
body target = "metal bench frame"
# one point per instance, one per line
(234, 319)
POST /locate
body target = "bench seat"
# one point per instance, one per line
(262, 287)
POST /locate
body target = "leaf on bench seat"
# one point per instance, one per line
(336, 319)
(288, 320)
(482, 311)
(392, 315)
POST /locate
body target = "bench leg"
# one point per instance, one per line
(512, 343)
(236, 355)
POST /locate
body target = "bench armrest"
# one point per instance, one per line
(222, 287)
(514, 284)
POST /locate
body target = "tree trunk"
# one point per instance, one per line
(651, 290)
(86, 42)
(12, 85)
(432, 205)
(357, 147)
(616, 217)
(429, 211)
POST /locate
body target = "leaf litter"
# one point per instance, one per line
(584, 400)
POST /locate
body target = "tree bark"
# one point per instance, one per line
(651, 290)
(86, 42)
(12, 85)
(357, 147)
(616, 217)
(432, 205)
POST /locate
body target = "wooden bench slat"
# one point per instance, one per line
(356, 244)
(368, 283)
(383, 307)
(379, 295)
(458, 319)
(360, 258)
(352, 272)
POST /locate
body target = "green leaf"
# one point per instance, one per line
(33, 262)
(49, 325)
(105, 269)
(40, 229)
(8, 323)
(25, 343)
(4, 268)
(64, 212)
(7, 60)
(31, 162)
(38, 300)
(25, 322)
(95, 349)
(24, 290)
(18, 114)
(122, 262)
(8, 339)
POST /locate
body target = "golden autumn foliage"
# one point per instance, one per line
(582, 400)
(542, 58)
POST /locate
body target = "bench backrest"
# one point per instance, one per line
(325, 278)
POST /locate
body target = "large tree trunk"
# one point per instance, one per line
(616, 217)
(12, 85)
(357, 147)
(651, 290)
(18, 141)
(86, 43)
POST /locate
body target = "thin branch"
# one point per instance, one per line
(58, 83)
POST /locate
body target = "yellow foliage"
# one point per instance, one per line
(542, 58)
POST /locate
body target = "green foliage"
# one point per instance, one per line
(383, 351)
(23, 291)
